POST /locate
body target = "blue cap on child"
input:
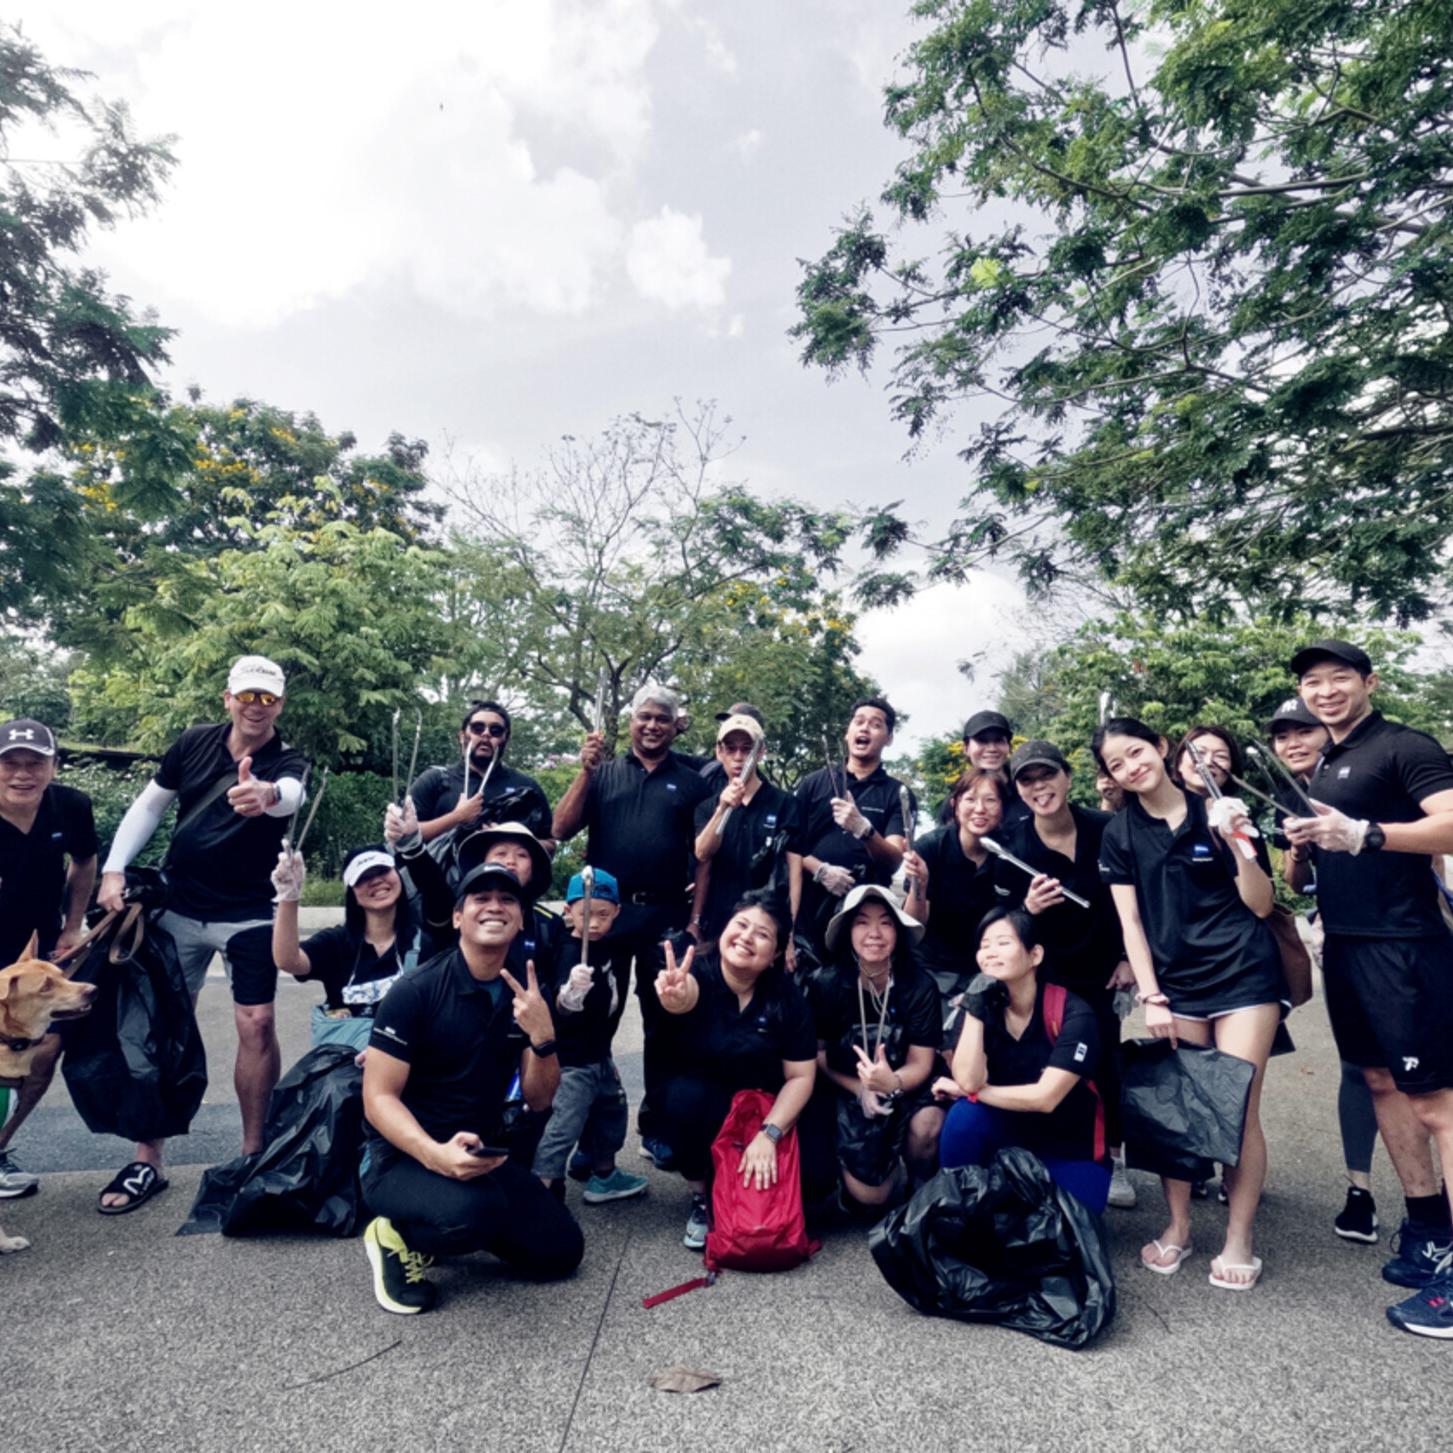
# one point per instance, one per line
(606, 888)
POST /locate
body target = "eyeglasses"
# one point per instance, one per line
(256, 698)
(492, 728)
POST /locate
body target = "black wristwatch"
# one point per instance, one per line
(543, 1051)
(774, 1133)
(1374, 840)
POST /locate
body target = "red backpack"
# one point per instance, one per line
(1054, 1021)
(755, 1230)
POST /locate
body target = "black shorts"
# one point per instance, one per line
(1390, 1001)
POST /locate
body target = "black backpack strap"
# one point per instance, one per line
(222, 784)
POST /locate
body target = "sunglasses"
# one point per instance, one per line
(490, 728)
(257, 698)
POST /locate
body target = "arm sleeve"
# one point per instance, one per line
(289, 798)
(924, 1020)
(140, 822)
(425, 791)
(1115, 861)
(1078, 1047)
(435, 898)
(82, 842)
(398, 1022)
(1423, 767)
(799, 1032)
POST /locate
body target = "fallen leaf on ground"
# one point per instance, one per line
(684, 1379)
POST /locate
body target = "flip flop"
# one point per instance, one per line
(1235, 1286)
(1180, 1253)
(138, 1181)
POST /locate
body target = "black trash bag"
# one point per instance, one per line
(305, 1178)
(1002, 1244)
(135, 1066)
(1183, 1109)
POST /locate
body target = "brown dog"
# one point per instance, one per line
(33, 994)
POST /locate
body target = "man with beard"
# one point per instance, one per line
(443, 804)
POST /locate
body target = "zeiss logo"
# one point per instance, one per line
(670, 786)
(1081, 1050)
(771, 819)
(1345, 773)
(1200, 850)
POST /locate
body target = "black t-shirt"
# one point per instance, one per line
(219, 865)
(692, 760)
(740, 1049)
(1069, 1129)
(820, 837)
(458, 1036)
(353, 975)
(1081, 945)
(1202, 936)
(585, 1034)
(33, 869)
(912, 1015)
(960, 893)
(1380, 771)
(542, 940)
(752, 853)
(436, 789)
(641, 825)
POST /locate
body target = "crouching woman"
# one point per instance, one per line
(1023, 1068)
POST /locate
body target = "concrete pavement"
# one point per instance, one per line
(118, 1333)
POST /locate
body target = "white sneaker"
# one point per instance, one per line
(14, 1181)
(1122, 1193)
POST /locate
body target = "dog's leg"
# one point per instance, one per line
(12, 1243)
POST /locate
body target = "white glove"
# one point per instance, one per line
(1222, 812)
(873, 1104)
(401, 827)
(572, 993)
(288, 877)
(1329, 829)
(834, 879)
(845, 813)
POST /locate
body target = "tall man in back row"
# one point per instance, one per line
(1384, 797)
(235, 785)
(639, 810)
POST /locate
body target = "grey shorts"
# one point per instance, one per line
(246, 950)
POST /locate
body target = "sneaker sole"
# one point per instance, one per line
(1444, 1334)
(6, 1194)
(1123, 1203)
(599, 1200)
(1367, 1238)
(380, 1291)
(693, 1245)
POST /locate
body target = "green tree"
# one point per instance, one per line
(75, 362)
(1196, 273)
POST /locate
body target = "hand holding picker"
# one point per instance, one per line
(1000, 851)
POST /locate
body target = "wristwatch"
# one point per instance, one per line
(774, 1133)
(1374, 839)
(543, 1051)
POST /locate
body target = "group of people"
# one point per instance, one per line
(911, 1000)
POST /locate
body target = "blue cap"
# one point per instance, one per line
(606, 888)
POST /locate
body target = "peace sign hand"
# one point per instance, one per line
(673, 983)
(532, 1013)
(876, 1073)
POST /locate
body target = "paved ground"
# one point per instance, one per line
(119, 1334)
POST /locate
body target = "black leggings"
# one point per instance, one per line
(507, 1212)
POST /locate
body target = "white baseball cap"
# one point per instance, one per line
(255, 673)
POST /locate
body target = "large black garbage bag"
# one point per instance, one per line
(305, 1178)
(1183, 1108)
(1000, 1243)
(135, 1066)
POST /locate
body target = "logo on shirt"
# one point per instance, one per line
(389, 1030)
(1410, 1063)
(1081, 1050)
(1200, 851)
(1344, 773)
(670, 786)
(771, 819)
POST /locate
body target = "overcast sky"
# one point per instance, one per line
(495, 223)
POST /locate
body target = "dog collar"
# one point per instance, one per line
(16, 1043)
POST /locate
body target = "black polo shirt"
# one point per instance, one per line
(820, 837)
(353, 974)
(219, 865)
(1202, 936)
(33, 869)
(960, 893)
(542, 940)
(640, 825)
(436, 789)
(914, 1015)
(1069, 1129)
(459, 1038)
(752, 852)
(585, 1034)
(1081, 946)
(1380, 771)
(740, 1049)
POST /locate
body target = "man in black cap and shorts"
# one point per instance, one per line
(1384, 796)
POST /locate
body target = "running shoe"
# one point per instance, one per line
(696, 1225)
(1122, 1193)
(1357, 1220)
(658, 1153)
(399, 1284)
(1429, 1312)
(619, 1185)
(1419, 1252)
(14, 1181)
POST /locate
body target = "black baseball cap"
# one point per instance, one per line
(743, 708)
(1343, 651)
(25, 734)
(487, 876)
(987, 721)
(1292, 712)
(1037, 754)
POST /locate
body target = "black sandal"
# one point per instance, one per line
(138, 1182)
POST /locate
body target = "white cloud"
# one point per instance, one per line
(747, 144)
(718, 52)
(668, 262)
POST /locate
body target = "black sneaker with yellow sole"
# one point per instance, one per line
(399, 1284)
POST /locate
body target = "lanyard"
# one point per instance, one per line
(882, 1010)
